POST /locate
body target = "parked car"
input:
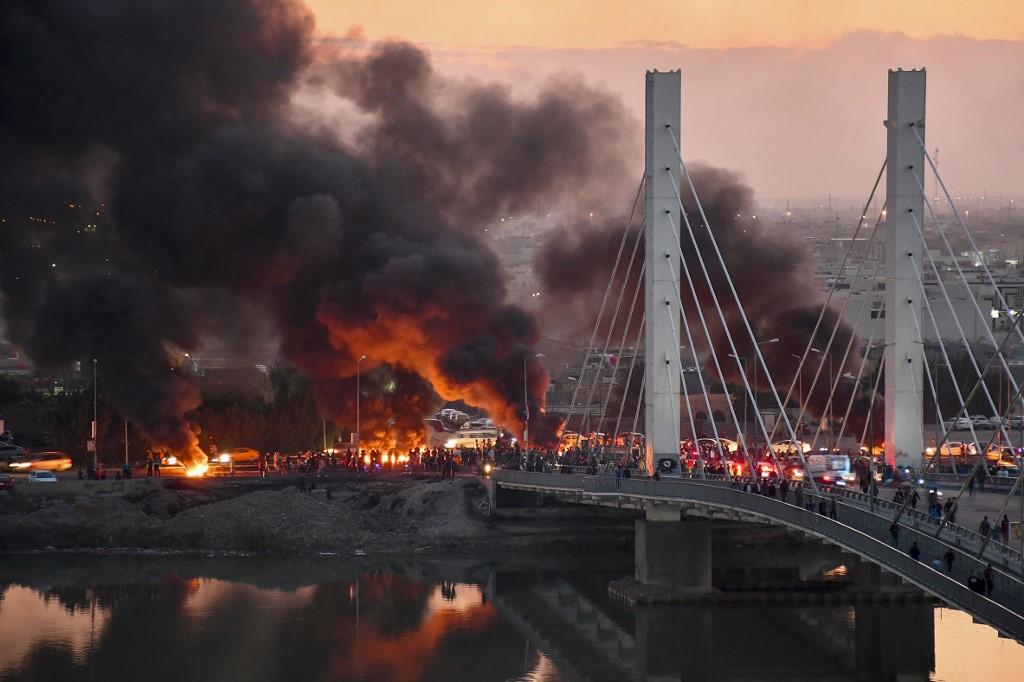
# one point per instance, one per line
(41, 477)
(1016, 421)
(959, 423)
(980, 420)
(6, 482)
(996, 422)
(43, 461)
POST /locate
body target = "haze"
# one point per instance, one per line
(791, 93)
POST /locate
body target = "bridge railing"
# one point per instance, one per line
(995, 551)
(1008, 558)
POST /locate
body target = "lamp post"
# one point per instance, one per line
(799, 394)
(757, 405)
(746, 400)
(526, 402)
(359, 396)
(95, 418)
(830, 380)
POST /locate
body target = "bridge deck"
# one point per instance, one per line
(857, 528)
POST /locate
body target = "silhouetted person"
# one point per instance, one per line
(914, 552)
(990, 580)
(948, 558)
(894, 531)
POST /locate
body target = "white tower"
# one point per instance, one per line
(904, 410)
(661, 278)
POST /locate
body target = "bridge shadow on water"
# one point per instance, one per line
(591, 636)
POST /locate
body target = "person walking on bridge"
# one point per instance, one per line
(947, 558)
(1004, 529)
(914, 552)
(894, 531)
(985, 528)
(784, 492)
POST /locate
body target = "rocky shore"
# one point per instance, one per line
(347, 516)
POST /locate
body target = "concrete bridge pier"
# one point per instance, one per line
(672, 553)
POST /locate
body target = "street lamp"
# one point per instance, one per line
(746, 401)
(359, 396)
(526, 402)
(95, 418)
(757, 406)
(830, 380)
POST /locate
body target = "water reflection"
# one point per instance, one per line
(119, 620)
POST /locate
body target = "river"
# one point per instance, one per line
(124, 618)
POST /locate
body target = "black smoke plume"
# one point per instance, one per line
(152, 153)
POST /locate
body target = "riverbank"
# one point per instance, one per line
(355, 516)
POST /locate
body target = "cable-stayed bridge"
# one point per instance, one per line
(693, 318)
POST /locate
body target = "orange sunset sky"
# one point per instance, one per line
(790, 93)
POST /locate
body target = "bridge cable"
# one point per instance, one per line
(835, 281)
(611, 327)
(970, 397)
(622, 345)
(639, 402)
(966, 283)
(981, 453)
(863, 364)
(741, 436)
(743, 315)
(834, 383)
(694, 438)
(682, 377)
(959, 327)
(827, 350)
(600, 312)
(931, 382)
(967, 231)
(629, 379)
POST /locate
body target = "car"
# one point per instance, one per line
(6, 482)
(236, 455)
(41, 477)
(980, 420)
(996, 422)
(1016, 421)
(43, 461)
(958, 424)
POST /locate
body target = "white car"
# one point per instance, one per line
(41, 477)
(996, 422)
(1016, 421)
(959, 423)
(980, 420)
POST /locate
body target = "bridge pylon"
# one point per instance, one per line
(661, 276)
(904, 387)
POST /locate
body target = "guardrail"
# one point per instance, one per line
(858, 530)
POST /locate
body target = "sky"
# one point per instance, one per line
(790, 93)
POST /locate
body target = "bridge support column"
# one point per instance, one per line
(661, 276)
(671, 553)
(904, 386)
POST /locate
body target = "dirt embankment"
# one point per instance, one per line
(366, 516)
